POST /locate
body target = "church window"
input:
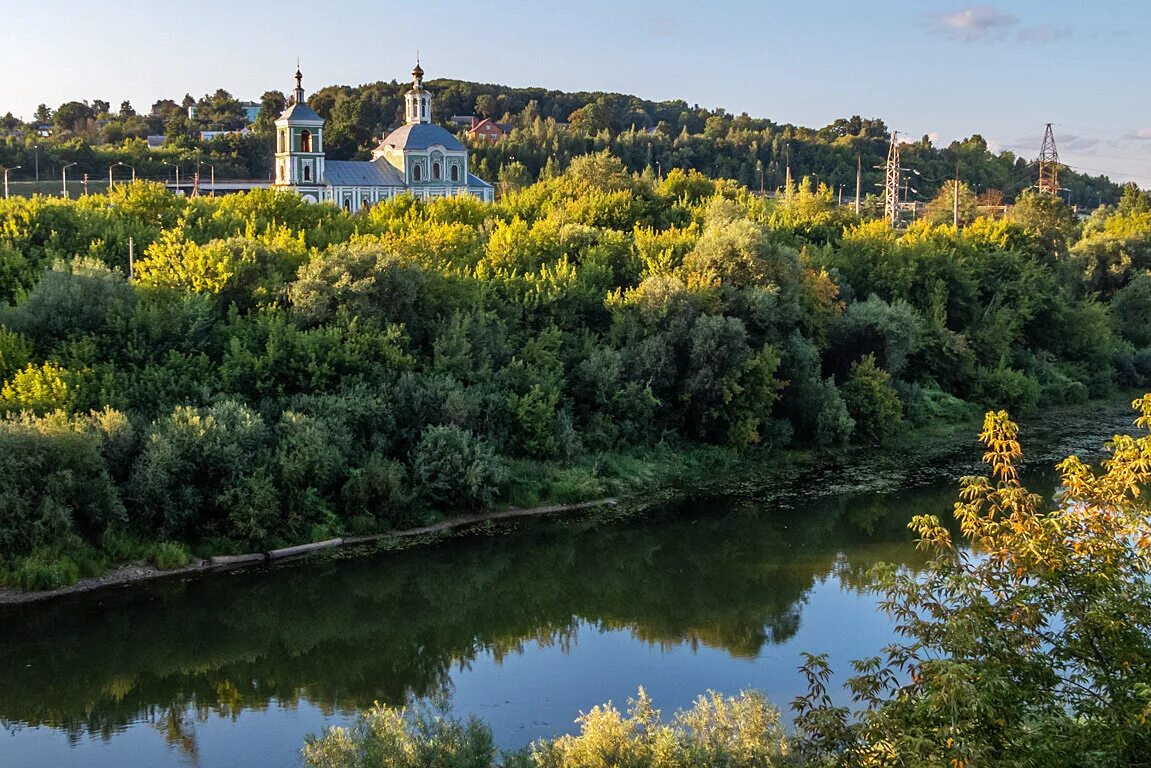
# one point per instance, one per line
(280, 145)
(307, 173)
(305, 141)
(455, 173)
(436, 171)
(416, 172)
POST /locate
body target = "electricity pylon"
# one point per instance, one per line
(1049, 164)
(891, 182)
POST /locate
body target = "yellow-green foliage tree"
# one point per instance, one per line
(1028, 639)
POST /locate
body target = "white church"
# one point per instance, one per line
(419, 158)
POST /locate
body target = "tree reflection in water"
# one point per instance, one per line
(341, 634)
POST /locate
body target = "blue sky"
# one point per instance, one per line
(948, 69)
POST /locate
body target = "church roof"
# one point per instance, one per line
(301, 112)
(362, 173)
(476, 181)
(422, 136)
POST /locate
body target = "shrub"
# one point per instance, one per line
(1131, 310)
(1007, 388)
(37, 389)
(167, 556)
(872, 401)
(377, 489)
(55, 483)
(454, 468)
(43, 570)
(15, 353)
(403, 737)
(186, 479)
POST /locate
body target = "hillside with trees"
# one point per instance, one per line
(549, 129)
(269, 372)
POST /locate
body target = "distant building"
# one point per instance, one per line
(155, 142)
(251, 110)
(419, 158)
(467, 121)
(209, 135)
(486, 129)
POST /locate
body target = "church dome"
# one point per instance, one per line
(421, 136)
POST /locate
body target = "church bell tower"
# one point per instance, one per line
(418, 101)
(300, 147)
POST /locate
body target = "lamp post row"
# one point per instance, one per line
(132, 168)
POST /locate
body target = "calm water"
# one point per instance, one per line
(524, 630)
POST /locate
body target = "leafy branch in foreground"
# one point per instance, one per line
(1031, 645)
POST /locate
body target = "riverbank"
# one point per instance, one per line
(665, 476)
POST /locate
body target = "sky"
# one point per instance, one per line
(926, 67)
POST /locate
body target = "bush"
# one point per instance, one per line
(403, 738)
(44, 570)
(926, 404)
(378, 490)
(188, 476)
(168, 556)
(1131, 310)
(37, 389)
(872, 401)
(55, 485)
(1007, 388)
(729, 732)
(454, 468)
(15, 353)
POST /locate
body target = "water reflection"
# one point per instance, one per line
(342, 634)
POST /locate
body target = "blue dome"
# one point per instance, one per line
(422, 136)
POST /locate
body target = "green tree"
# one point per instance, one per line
(941, 209)
(455, 469)
(872, 401)
(1028, 636)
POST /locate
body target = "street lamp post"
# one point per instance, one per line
(177, 167)
(213, 175)
(6, 171)
(132, 168)
(64, 179)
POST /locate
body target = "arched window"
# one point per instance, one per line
(436, 171)
(307, 173)
(417, 171)
(305, 141)
(455, 172)
(280, 143)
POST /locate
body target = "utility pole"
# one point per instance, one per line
(787, 158)
(955, 206)
(131, 258)
(84, 182)
(1049, 164)
(891, 182)
(858, 176)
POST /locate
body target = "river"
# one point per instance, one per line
(522, 626)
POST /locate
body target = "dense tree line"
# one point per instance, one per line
(276, 371)
(549, 129)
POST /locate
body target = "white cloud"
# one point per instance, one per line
(978, 22)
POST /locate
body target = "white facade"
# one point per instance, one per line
(419, 158)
